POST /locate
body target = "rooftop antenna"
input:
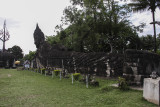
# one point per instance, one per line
(4, 35)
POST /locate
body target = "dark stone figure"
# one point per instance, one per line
(38, 37)
(6, 60)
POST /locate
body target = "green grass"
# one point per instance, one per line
(30, 89)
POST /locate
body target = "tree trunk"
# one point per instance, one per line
(154, 28)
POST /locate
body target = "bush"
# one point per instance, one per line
(122, 84)
(56, 72)
(76, 76)
(36, 70)
(43, 70)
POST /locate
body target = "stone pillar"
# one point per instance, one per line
(108, 70)
(151, 90)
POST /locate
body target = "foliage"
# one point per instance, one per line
(52, 39)
(147, 42)
(76, 76)
(16, 51)
(96, 26)
(56, 72)
(122, 84)
(143, 5)
(36, 69)
(30, 56)
(43, 70)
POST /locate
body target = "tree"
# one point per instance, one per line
(16, 51)
(30, 56)
(147, 42)
(143, 5)
(52, 39)
(97, 25)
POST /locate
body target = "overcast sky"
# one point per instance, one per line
(22, 15)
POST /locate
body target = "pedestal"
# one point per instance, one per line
(151, 90)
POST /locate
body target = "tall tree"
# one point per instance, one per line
(96, 25)
(143, 5)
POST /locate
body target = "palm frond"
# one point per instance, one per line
(139, 6)
(158, 4)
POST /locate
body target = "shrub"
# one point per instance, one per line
(56, 72)
(122, 84)
(43, 70)
(76, 76)
(36, 70)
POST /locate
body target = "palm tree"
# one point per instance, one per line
(143, 5)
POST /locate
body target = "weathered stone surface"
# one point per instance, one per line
(141, 63)
(151, 90)
(5, 58)
(38, 37)
(52, 56)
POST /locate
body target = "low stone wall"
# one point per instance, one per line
(139, 65)
(101, 64)
(134, 65)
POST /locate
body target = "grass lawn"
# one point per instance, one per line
(30, 89)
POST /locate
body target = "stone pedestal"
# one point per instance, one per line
(151, 90)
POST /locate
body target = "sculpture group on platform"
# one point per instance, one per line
(134, 65)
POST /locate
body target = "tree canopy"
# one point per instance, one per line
(97, 26)
(143, 5)
(30, 56)
(16, 51)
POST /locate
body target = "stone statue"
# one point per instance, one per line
(154, 75)
(38, 37)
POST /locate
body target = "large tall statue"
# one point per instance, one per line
(38, 37)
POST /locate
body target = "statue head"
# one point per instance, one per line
(38, 37)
